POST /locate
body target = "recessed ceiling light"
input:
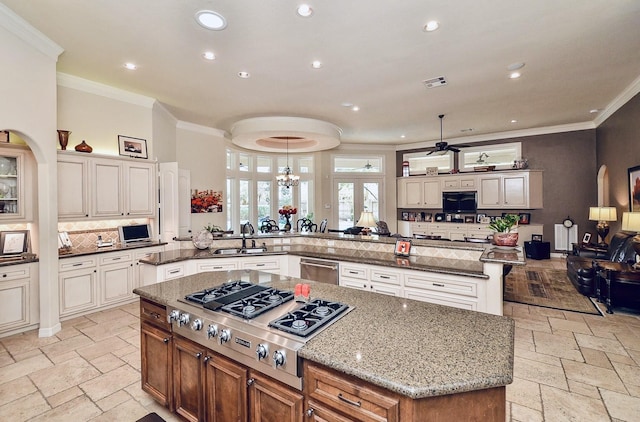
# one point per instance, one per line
(594, 111)
(403, 136)
(431, 26)
(304, 10)
(514, 75)
(130, 66)
(244, 75)
(208, 55)
(347, 104)
(515, 66)
(514, 121)
(211, 20)
(355, 108)
(316, 64)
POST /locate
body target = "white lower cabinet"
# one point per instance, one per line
(443, 289)
(204, 265)
(139, 279)
(371, 278)
(91, 282)
(18, 297)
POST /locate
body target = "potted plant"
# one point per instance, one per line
(505, 230)
(214, 230)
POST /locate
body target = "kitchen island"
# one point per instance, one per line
(388, 359)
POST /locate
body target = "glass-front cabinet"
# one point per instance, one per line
(12, 206)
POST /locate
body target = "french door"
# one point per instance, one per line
(351, 196)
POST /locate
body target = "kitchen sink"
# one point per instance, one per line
(227, 251)
(253, 250)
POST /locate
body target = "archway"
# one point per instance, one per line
(603, 186)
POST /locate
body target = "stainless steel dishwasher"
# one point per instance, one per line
(321, 270)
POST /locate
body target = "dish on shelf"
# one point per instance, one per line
(203, 239)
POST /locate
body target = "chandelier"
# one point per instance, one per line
(287, 178)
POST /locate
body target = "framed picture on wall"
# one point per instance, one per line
(524, 218)
(536, 238)
(634, 189)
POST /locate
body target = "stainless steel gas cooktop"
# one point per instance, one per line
(258, 326)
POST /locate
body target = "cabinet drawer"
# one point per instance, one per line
(220, 266)
(468, 183)
(350, 396)
(454, 301)
(154, 314)
(457, 287)
(353, 272)
(14, 272)
(115, 258)
(451, 183)
(77, 263)
(385, 277)
(264, 264)
(173, 271)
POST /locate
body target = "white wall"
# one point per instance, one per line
(28, 87)
(201, 150)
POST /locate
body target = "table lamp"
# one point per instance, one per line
(367, 221)
(631, 223)
(602, 215)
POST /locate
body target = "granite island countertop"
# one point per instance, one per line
(416, 349)
(467, 268)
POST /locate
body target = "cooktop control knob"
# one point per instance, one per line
(183, 319)
(173, 316)
(225, 336)
(262, 351)
(212, 331)
(196, 324)
(278, 358)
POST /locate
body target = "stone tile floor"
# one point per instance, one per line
(568, 367)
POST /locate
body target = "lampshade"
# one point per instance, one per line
(366, 219)
(631, 221)
(603, 214)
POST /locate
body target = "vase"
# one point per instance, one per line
(63, 138)
(505, 239)
(287, 225)
(83, 147)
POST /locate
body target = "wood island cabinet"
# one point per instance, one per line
(271, 401)
(156, 348)
(188, 381)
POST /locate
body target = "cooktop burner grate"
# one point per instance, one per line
(258, 303)
(309, 318)
(215, 293)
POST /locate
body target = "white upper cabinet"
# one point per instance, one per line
(104, 188)
(419, 192)
(510, 190)
(15, 185)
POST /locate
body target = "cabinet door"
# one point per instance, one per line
(12, 185)
(432, 195)
(116, 283)
(316, 412)
(140, 190)
(271, 401)
(188, 386)
(73, 187)
(156, 363)
(14, 304)
(107, 183)
(412, 193)
(385, 289)
(489, 192)
(515, 191)
(78, 290)
(226, 395)
(354, 283)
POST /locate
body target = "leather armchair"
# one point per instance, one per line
(580, 266)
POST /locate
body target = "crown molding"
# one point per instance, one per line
(27, 33)
(624, 97)
(572, 127)
(192, 127)
(91, 87)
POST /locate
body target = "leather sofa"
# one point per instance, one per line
(580, 265)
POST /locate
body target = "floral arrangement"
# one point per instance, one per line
(287, 210)
(213, 228)
(205, 201)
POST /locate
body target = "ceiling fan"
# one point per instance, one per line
(443, 146)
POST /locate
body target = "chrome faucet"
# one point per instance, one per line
(244, 228)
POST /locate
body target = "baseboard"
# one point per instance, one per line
(50, 331)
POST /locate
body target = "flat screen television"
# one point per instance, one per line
(459, 202)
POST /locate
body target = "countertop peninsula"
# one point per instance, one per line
(416, 349)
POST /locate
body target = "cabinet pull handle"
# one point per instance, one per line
(351, 402)
(250, 382)
(353, 272)
(4, 275)
(198, 355)
(154, 315)
(165, 340)
(309, 412)
(438, 284)
(386, 277)
(77, 264)
(260, 265)
(206, 359)
(174, 271)
(116, 259)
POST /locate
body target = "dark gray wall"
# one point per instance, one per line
(570, 171)
(618, 148)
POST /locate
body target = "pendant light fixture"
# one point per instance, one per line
(287, 178)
